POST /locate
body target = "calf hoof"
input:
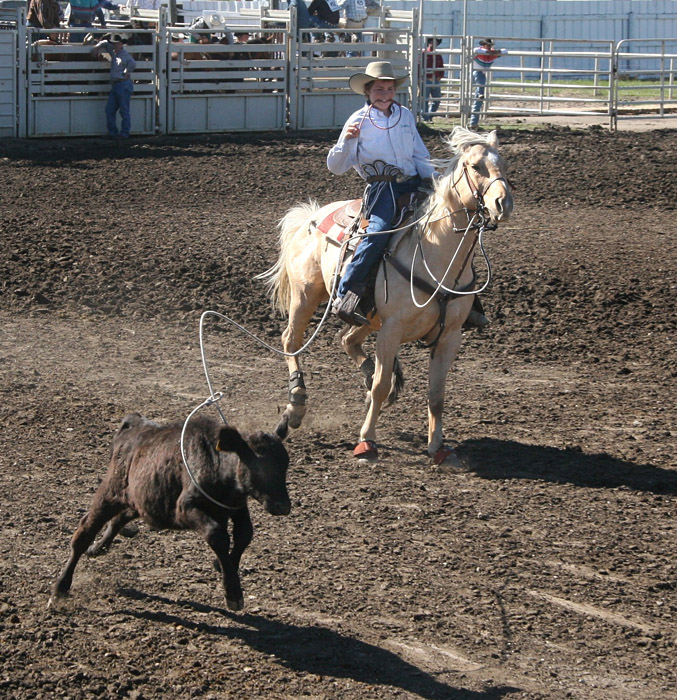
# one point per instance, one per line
(235, 605)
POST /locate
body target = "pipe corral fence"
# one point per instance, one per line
(202, 80)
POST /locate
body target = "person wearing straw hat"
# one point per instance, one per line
(381, 143)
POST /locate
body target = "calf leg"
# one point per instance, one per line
(112, 529)
(99, 514)
(243, 532)
(215, 534)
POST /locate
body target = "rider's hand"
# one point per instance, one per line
(353, 131)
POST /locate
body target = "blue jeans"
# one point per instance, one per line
(479, 79)
(433, 94)
(371, 248)
(119, 99)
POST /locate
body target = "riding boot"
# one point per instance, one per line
(476, 317)
(348, 310)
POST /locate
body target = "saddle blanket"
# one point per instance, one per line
(337, 223)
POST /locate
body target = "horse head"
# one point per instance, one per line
(475, 177)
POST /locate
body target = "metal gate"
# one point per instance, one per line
(646, 74)
(226, 87)
(68, 88)
(325, 59)
(12, 67)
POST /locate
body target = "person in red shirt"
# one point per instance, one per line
(434, 74)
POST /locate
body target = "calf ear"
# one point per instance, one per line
(230, 440)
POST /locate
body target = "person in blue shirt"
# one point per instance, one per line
(122, 87)
(322, 14)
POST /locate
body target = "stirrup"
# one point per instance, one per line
(347, 309)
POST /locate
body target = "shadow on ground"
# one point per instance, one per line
(504, 459)
(311, 649)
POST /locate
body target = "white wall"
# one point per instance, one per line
(592, 20)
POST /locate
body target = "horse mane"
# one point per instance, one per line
(460, 138)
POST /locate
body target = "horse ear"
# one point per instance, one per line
(492, 139)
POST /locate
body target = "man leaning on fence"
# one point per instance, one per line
(484, 56)
(354, 15)
(121, 85)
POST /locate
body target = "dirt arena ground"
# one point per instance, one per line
(547, 570)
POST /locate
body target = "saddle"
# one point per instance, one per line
(345, 221)
(342, 222)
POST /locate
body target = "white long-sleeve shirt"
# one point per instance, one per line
(400, 145)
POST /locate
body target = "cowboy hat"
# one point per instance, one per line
(487, 42)
(376, 70)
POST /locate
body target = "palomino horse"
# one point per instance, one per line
(424, 288)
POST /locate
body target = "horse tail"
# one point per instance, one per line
(277, 277)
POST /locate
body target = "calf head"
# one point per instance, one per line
(265, 461)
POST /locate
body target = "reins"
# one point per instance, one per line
(477, 224)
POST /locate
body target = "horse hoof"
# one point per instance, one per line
(366, 452)
(235, 605)
(447, 459)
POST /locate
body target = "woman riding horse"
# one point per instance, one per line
(381, 143)
(424, 288)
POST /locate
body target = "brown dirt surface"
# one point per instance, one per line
(547, 570)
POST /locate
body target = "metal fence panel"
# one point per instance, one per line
(68, 88)
(227, 87)
(12, 67)
(8, 83)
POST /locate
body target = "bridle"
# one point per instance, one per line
(478, 194)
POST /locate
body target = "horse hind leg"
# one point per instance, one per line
(351, 338)
(396, 381)
(303, 305)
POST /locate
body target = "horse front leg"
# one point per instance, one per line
(441, 359)
(386, 349)
(302, 307)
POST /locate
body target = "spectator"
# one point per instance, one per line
(44, 14)
(434, 64)
(322, 14)
(83, 12)
(354, 16)
(120, 96)
(484, 56)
